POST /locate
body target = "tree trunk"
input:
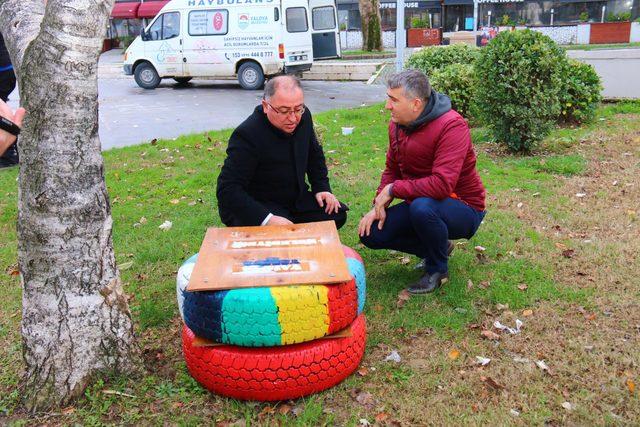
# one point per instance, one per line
(76, 322)
(370, 16)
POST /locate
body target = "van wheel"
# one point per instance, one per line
(182, 80)
(146, 76)
(250, 76)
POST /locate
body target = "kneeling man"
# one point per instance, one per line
(431, 167)
(262, 181)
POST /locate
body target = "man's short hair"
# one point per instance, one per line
(284, 82)
(414, 83)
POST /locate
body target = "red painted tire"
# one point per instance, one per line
(275, 373)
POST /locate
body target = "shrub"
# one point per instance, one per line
(519, 99)
(584, 16)
(459, 82)
(620, 17)
(419, 23)
(579, 93)
(434, 58)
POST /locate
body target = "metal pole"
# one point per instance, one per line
(603, 9)
(475, 19)
(400, 35)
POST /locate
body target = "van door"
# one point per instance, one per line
(296, 34)
(163, 44)
(324, 29)
(204, 43)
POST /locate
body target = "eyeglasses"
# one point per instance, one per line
(298, 111)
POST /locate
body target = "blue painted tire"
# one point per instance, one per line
(272, 316)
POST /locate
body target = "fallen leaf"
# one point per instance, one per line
(382, 417)
(523, 286)
(561, 246)
(403, 297)
(480, 248)
(174, 201)
(454, 354)
(125, 265)
(469, 284)
(527, 313)
(482, 258)
(631, 385)
(366, 399)
(568, 253)
(502, 307)
(284, 409)
(568, 406)
(405, 260)
(14, 272)
(69, 410)
(484, 284)
(143, 220)
(363, 372)
(490, 335)
(492, 383)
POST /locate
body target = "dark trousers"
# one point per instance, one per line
(309, 215)
(7, 85)
(423, 227)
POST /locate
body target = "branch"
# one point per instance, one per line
(20, 22)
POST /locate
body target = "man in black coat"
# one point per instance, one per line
(262, 181)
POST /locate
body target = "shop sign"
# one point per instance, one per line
(410, 4)
(500, 1)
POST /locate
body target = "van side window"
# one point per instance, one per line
(297, 20)
(323, 18)
(209, 22)
(167, 26)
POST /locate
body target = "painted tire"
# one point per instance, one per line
(276, 373)
(272, 316)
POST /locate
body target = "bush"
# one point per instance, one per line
(584, 16)
(520, 100)
(579, 93)
(459, 82)
(620, 17)
(419, 23)
(434, 58)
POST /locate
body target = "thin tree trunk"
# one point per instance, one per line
(76, 322)
(370, 17)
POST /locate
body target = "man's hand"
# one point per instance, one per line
(329, 201)
(6, 139)
(364, 227)
(381, 203)
(278, 220)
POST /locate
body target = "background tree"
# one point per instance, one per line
(370, 16)
(76, 321)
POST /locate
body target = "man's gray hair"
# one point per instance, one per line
(284, 82)
(415, 84)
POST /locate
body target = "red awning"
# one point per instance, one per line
(125, 10)
(150, 9)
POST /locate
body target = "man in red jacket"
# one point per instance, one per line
(431, 166)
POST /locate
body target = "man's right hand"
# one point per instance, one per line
(278, 220)
(364, 228)
(6, 139)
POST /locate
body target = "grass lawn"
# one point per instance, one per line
(561, 239)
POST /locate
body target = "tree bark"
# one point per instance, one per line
(76, 322)
(370, 17)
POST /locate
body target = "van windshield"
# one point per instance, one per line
(297, 20)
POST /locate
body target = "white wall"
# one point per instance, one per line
(561, 35)
(352, 39)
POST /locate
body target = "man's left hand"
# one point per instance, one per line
(329, 201)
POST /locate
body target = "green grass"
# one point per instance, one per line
(601, 46)
(175, 181)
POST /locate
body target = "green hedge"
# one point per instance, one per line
(459, 82)
(434, 58)
(579, 93)
(518, 98)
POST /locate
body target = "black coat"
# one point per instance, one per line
(255, 174)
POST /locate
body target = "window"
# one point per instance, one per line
(297, 20)
(209, 22)
(323, 18)
(167, 26)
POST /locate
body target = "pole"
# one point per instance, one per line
(475, 19)
(400, 35)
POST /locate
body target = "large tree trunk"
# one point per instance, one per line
(76, 321)
(370, 16)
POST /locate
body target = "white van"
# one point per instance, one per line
(324, 25)
(249, 39)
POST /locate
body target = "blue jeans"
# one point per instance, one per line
(423, 227)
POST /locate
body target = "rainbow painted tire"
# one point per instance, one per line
(276, 373)
(272, 316)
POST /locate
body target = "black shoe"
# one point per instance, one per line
(450, 248)
(10, 157)
(428, 283)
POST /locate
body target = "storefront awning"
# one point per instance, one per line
(125, 10)
(149, 9)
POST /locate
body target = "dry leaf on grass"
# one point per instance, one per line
(284, 409)
(454, 354)
(492, 383)
(382, 417)
(403, 297)
(631, 385)
(568, 253)
(527, 313)
(469, 284)
(480, 248)
(366, 399)
(405, 260)
(523, 286)
(490, 335)
(363, 372)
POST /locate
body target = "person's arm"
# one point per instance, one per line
(6, 138)
(316, 165)
(448, 160)
(235, 176)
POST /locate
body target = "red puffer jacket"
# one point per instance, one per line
(435, 160)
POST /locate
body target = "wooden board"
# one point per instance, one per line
(246, 257)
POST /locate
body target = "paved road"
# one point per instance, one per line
(130, 115)
(619, 70)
